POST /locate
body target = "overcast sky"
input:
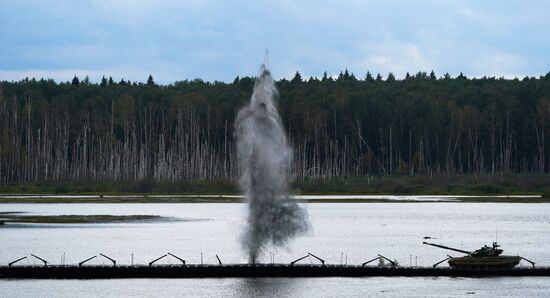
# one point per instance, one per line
(219, 40)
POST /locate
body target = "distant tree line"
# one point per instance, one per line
(344, 126)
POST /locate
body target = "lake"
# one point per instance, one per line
(340, 233)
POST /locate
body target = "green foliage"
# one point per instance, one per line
(368, 77)
(150, 81)
(469, 184)
(297, 78)
(347, 127)
(75, 81)
(442, 184)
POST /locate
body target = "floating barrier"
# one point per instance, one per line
(249, 270)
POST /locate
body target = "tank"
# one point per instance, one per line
(486, 257)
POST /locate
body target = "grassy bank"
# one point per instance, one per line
(119, 198)
(496, 184)
(123, 187)
(144, 199)
(18, 217)
(400, 185)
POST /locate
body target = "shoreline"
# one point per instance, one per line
(231, 198)
(436, 184)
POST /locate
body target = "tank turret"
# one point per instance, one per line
(487, 251)
(483, 251)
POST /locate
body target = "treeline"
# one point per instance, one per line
(345, 126)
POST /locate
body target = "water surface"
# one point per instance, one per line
(341, 233)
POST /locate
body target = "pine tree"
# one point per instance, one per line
(111, 81)
(346, 75)
(75, 81)
(422, 75)
(369, 77)
(103, 82)
(150, 81)
(432, 75)
(297, 78)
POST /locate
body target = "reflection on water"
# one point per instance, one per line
(266, 287)
(283, 287)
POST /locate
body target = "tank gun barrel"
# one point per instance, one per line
(446, 247)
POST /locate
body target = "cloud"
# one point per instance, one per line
(467, 12)
(218, 40)
(500, 64)
(396, 57)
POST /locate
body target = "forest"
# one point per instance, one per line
(341, 126)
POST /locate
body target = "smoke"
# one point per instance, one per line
(264, 157)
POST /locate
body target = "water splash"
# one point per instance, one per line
(265, 156)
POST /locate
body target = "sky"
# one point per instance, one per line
(219, 40)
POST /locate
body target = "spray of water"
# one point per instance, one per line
(264, 157)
